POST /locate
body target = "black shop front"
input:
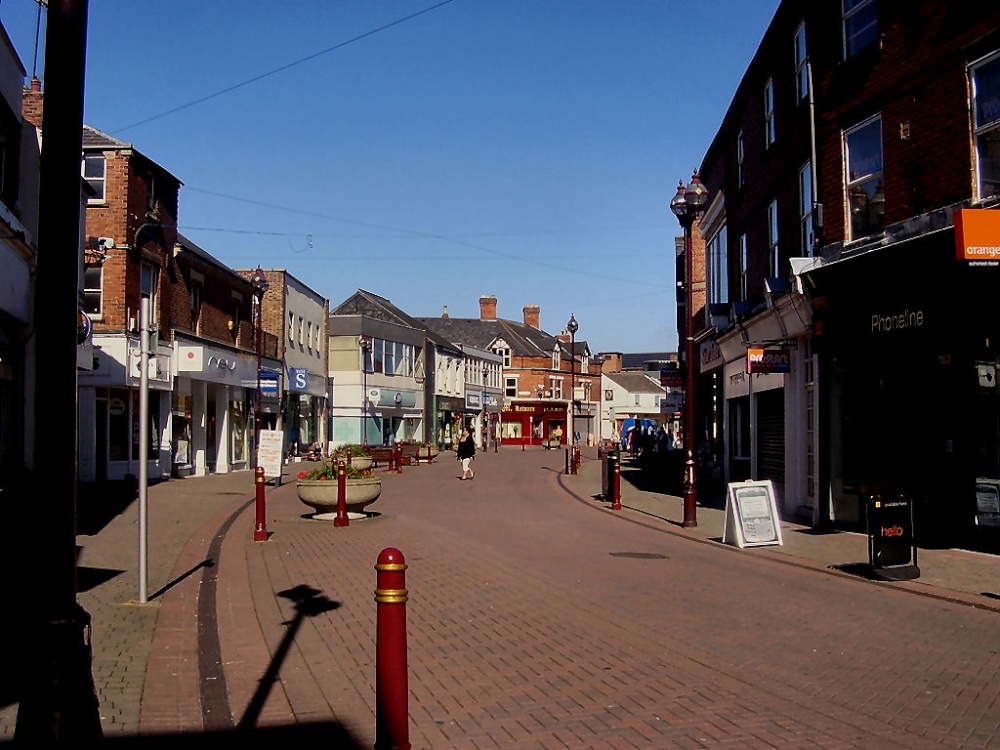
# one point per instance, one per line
(906, 338)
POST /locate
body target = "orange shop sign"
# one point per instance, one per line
(977, 236)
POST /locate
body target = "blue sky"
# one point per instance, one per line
(429, 152)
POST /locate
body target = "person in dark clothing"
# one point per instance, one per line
(466, 451)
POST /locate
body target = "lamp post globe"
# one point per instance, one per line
(572, 326)
(687, 204)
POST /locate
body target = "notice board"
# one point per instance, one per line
(751, 515)
(269, 454)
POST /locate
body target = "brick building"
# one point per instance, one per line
(844, 181)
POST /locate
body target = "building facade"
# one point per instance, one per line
(846, 344)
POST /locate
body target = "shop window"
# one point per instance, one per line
(985, 77)
(238, 412)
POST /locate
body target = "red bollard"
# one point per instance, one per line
(341, 519)
(392, 730)
(399, 459)
(616, 486)
(260, 530)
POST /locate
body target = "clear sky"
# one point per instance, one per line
(427, 151)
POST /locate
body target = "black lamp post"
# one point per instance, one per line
(260, 285)
(688, 204)
(365, 342)
(572, 327)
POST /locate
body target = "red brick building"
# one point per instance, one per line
(843, 177)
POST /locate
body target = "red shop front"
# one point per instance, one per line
(531, 422)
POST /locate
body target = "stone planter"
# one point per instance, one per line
(321, 495)
(360, 462)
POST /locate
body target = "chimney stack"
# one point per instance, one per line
(488, 307)
(532, 315)
(444, 313)
(31, 103)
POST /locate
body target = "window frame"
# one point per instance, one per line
(855, 40)
(769, 123)
(773, 251)
(744, 283)
(985, 133)
(718, 271)
(92, 180)
(867, 181)
(93, 293)
(801, 57)
(807, 236)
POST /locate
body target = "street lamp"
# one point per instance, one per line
(365, 342)
(687, 204)
(572, 327)
(260, 285)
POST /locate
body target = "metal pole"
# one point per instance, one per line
(143, 444)
(260, 529)
(690, 480)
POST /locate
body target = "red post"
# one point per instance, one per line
(341, 519)
(616, 486)
(399, 459)
(260, 530)
(392, 731)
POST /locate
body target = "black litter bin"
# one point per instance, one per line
(611, 459)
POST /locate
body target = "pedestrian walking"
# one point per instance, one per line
(466, 452)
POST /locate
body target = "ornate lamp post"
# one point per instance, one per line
(687, 205)
(572, 327)
(365, 342)
(260, 285)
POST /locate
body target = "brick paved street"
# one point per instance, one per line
(539, 618)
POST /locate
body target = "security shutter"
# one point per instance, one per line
(771, 435)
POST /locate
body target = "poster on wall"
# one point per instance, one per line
(751, 515)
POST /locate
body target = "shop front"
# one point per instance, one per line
(213, 404)
(109, 413)
(531, 422)
(449, 420)
(397, 416)
(910, 398)
(303, 410)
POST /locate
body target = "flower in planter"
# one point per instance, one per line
(328, 472)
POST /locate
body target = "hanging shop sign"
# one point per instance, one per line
(977, 237)
(768, 361)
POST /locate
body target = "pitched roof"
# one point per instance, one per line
(638, 361)
(96, 140)
(635, 382)
(369, 305)
(523, 340)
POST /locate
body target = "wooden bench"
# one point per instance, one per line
(413, 454)
(381, 454)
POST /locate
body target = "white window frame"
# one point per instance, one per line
(93, 295)
(93, 179)
(855, 11)
(801, 62)
(769, 127)
(773, 254)
(986, 127)
(510, 386)
(862, 183)
(743, 268)
(718, 272)
(807, 236)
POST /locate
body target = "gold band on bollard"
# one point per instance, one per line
(390, 566)
(391, 596)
